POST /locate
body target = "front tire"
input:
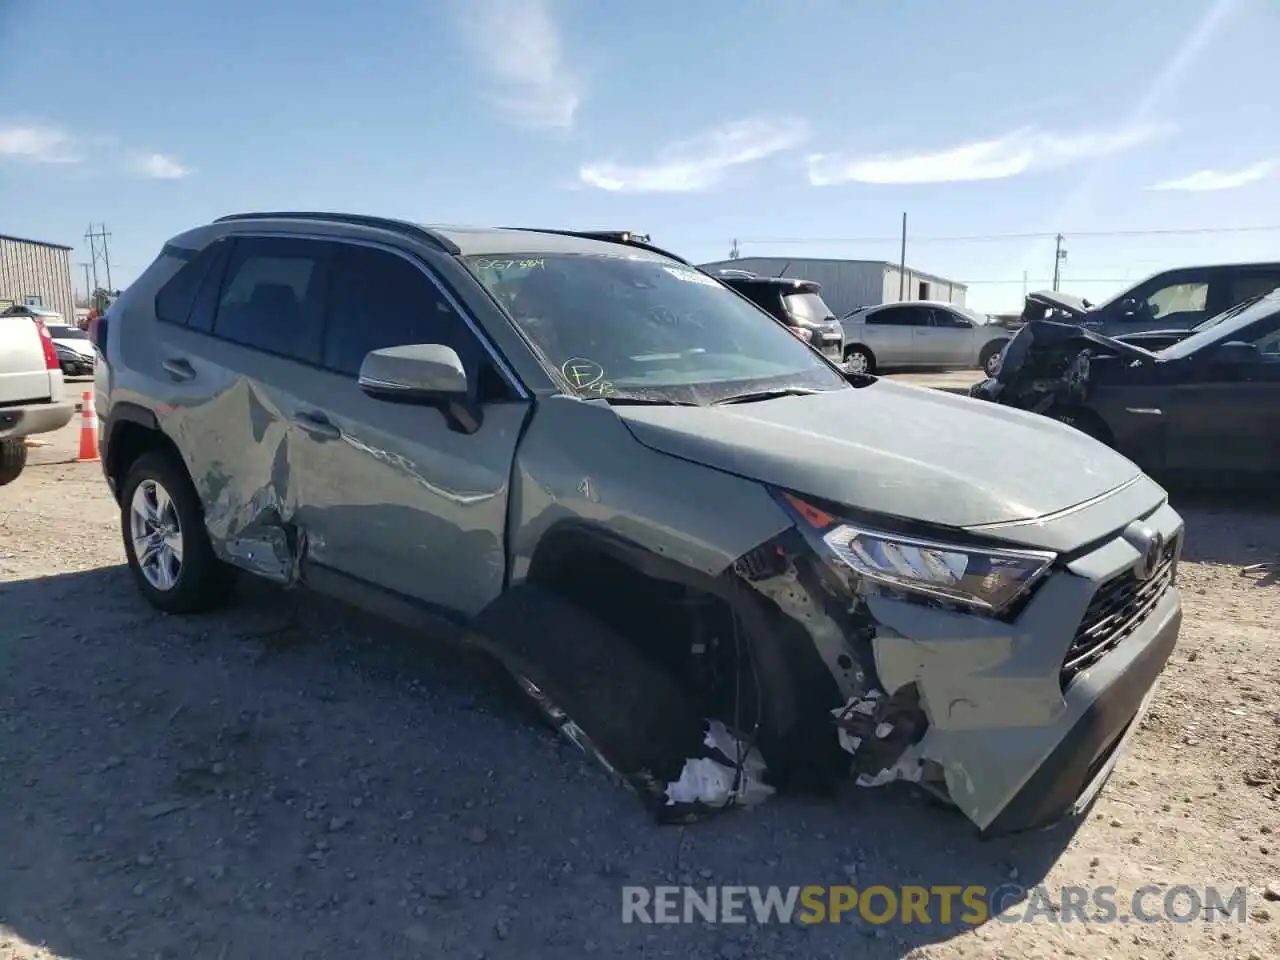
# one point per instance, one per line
(13, 460)
(989, 359)
(165, 539)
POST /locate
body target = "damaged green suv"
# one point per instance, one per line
(718, 563)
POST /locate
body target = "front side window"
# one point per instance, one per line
(378, 299)
(900, 317)
(1179, 298)
(271, 298)
(648, 328)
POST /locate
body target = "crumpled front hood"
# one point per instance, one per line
(894, 449)
(1075, 306)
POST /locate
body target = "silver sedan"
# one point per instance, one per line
(921, 333)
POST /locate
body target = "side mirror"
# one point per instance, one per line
(1237, 353)
(425, 374)
(1128, 307)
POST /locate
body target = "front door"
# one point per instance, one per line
(947, 341)
(391, 495)
(1227, 417)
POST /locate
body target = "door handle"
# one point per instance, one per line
(178, 368)
(318, 423)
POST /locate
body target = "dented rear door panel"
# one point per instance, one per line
(240, 447)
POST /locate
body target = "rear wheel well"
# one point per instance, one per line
(129, 441)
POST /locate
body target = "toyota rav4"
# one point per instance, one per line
(715, 561)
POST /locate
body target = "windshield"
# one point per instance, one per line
(66, 333)
(648, 329)
(1223, 328)
(808, 307)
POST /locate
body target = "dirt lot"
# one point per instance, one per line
(287, 780)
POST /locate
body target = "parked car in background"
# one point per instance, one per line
(672, 522)
(75, 349)
(1170, 300)
(796, 303)
(1204, 407)
(31, 389)
(921, 333)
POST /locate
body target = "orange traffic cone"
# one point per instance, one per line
(88, 428)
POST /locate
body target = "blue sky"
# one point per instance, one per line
(700, 122)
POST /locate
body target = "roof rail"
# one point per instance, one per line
(416, 230)
(631, 238)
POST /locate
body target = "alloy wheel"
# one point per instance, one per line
(156, 532)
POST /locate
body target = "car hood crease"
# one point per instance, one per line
(894, 449)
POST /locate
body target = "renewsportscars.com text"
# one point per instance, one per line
(941, 904)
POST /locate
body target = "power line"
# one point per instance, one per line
(990, 237)
(1047, 280)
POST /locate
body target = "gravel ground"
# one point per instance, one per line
(288, 779)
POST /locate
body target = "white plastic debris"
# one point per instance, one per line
(908, 767)
(863, 705)
(716, 781)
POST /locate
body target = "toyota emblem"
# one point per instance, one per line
(1151, 557)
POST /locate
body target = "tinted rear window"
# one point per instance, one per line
(174, 300)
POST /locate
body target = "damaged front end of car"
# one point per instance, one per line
(968, 668)
(1050, 366)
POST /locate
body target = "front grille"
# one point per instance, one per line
(1117, 609)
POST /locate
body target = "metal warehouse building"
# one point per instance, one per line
(37, 274)
(849, 284)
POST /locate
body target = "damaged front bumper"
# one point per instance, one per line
(1017, 721)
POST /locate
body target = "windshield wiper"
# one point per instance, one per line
(647, 402)
(1227, 314)
(767, 395)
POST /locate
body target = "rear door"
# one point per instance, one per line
(392, 496)
(237, 324)
(890, 332)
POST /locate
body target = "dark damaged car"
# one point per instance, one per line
(1202, 407)
(714, 561)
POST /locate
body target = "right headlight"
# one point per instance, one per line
(986, 578)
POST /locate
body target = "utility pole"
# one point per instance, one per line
(106, 256)
(1059, 255)
(902, 262)
(93, 236)
(88, 290)
(93, 257)
(734, 253)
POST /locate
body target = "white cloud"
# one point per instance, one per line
(1215, 180)
(36, 142)
(520, 44)
(1006, 156)
(699, 162)
(159, 166)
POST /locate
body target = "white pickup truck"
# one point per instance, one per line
(32, 395)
